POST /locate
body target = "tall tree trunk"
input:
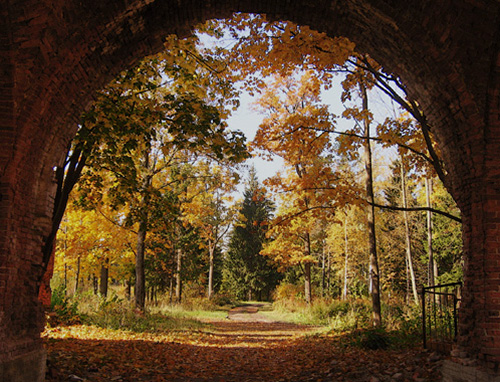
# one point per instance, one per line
(77, 276)
(323, 272)
(66, 178)
(307, 271)
(171, 291)
(329, 273)
(178, 277)
(103, 282)
(65, 246)
(370, 210)
(140, 279)
(152, 294)
(128, 289)
(65, 278)
(95, 285)
(346, 262)
(211, 250)
(307, 282)
(408, 235)
(432, 270)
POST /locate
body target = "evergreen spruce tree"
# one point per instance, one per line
(247, 274)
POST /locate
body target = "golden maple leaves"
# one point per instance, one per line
(88, 240)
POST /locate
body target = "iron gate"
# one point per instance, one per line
(439, 315)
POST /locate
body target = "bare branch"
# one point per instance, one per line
(289, 217)
(114, 222)
(410, 209)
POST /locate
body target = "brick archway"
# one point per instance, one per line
(55, 54)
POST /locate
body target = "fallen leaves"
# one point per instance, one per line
(227, 351)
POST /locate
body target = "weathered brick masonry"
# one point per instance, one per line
(54, 54)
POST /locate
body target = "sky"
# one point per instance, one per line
(248, 120)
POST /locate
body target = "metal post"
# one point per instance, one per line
(455, 318)
(423, 319)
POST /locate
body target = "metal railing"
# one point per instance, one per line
(439, 315)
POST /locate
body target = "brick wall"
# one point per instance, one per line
(55, 54)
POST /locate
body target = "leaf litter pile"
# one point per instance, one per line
(237, 349)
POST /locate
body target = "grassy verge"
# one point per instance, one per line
(352, 321)
(199, 314)
(119, 313)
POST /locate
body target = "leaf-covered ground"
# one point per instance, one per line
(237, 349)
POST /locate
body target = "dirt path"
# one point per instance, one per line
(244, 347)
(249, 313)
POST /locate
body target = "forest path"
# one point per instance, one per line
(244, 347)
(250, 312)
(246, 326)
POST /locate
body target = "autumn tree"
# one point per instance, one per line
(348, 248)
(359, 83)
(173, 247)
(258, 49)
(140, 123)
(272, 47)
(208, 208)
(393, 231)
(91, 244)
(281, 47)
(296, 128)
(174, 257)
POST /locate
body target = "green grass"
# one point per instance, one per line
(346, 316)
(180, 312)
(337, 315)
(119, 313)
(152, 323)
(291, 317)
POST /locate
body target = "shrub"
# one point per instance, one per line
(117, 313)
(289, 298)
(223, 299)
(401, 317)
(345, 322)
(198, 303)
(341, 315)
(64, 310)
(372, 339)
(113, 315)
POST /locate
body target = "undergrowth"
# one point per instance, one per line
(115, 312)
(63, 310)
(352, 319)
